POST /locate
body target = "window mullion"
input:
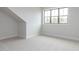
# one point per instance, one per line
(50, 15)
(58, 15)
(44, 16)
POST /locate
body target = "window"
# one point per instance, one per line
(63, 13)
(47, 16)
(56, 16)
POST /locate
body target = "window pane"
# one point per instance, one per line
(63, 19)
(47, 13)
(61, 11)
(47, 19)
(55, 12)
(54, 19)
(64, 11)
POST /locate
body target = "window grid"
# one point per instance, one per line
(46, 16)
(54, 11)
(55, 16)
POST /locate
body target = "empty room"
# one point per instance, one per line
(39, 28)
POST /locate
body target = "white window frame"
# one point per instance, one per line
(51, 16)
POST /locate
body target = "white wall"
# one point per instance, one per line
(8, 26)
(32, 16)
(70, 30)
(22, 29)
(21, 23)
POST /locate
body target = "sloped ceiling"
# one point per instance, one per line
(12, 14)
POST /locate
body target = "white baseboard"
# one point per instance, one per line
(7, 36)
(24, 37)
(61, 36)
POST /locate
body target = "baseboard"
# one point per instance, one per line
(22, 37)
(8, 36)
(62, 37)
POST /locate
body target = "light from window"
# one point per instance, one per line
(54, 19)
(63, 19)
(55, 12)
(63, 11)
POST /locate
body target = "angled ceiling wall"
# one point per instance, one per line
(32, 16)
(11, 25)
(8, 26)
(28, 20)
